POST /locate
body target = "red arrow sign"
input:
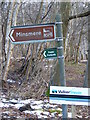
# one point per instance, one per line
(29, 34)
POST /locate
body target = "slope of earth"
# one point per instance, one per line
(34, 92)
(39, 80)
(75, 74)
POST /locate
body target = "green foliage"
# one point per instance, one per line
(47, 92)
(53, 110)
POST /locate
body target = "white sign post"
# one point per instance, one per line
(70, 95)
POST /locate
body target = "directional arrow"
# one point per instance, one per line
(44, 54)
(11, 35)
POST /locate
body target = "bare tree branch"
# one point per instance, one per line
(49, 8)
(28, 14)
(79, 15)
(38, 15)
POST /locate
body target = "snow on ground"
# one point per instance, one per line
(10, 81)
(18, 105)
(39, 113)
(69, 114)
(40, 108)
(37, 106)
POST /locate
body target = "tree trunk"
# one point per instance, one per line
(10, 52)
(78, 46)
(89, 50)
(89, 56)
(34, 53)
(0, 52)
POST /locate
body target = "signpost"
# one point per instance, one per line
(31, 34)
(43, 33)
(50, 53)
(69, 95)
(61, 59)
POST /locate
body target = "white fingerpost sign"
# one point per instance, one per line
(69, 95)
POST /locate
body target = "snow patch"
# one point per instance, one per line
(18, 105)
(11, 81)
(50, 106)
(37, 102)
(25, 101)
(69, 114)
(13, 101)
(37, 106)
(1, 105)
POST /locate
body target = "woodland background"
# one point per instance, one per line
(24, 72)
(24, 63)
